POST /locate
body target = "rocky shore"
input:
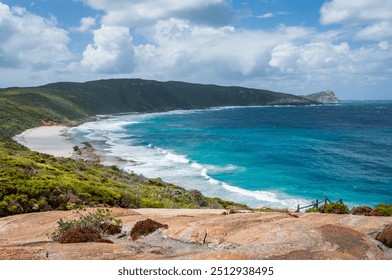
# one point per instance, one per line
(205, 234)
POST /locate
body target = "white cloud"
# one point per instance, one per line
(377, 31)
(111, 52)
(267, 15)
(338, 11)
(372, 18)
(29, 40)
(86, 24)
(123, 12)
(182, 50)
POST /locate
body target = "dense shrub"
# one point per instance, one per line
(312, 210)
(334, 208)
(145, 227)
(361, 210)
(34, 182)
(79, 235)
(99, 219)
(382, 210)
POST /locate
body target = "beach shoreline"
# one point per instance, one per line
(51, 140)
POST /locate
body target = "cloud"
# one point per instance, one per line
(86, 24)
(267, 15)
(339, 11)
(372, 18)
(127, 13)
(111, 52)
(28, 40)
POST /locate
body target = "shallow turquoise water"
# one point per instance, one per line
(273, 156)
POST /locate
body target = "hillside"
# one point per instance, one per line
(35, 182)
(66, 102)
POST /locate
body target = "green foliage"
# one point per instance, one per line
(384, 209)
(312, 210)
(99, 219)
(335, 208)
(35, 182)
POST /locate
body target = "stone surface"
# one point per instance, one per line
(204, 234)
(385, 236)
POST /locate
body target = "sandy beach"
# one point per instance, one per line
(47, 139)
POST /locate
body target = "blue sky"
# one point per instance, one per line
(294, 46)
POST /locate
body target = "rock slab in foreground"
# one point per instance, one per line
(204, 234)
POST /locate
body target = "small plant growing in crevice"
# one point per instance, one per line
(95, 221)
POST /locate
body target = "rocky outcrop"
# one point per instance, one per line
(385, 236)
(327, 96)
(204, 234)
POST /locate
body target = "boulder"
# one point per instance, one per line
(385, 236)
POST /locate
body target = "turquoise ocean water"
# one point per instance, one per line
(261, 156)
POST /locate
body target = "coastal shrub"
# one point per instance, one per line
(79, 235)
(361, 210)
(382, 210)
(99, 219)
(312, 210)
(33, 182)
(145, 227)
(334, 208)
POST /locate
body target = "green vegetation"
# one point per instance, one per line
(384, 209)
(312, 210)
(34, 182)
(334, 208)
(99, 219)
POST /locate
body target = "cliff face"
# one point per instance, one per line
(327, 96)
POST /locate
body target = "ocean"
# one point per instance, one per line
(277, 156)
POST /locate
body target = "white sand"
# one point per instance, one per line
(47, 139)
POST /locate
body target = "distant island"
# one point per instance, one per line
(327, 96)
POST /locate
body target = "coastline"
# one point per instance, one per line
(51, 140)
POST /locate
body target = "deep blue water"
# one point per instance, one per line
(273, 156)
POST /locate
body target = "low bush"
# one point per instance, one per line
(361, 210)
(79, 235)
(312, 210)
(382, 210)
(334, 208)
(100, 220)
(145, 227)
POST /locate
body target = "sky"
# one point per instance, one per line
(293, 46)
